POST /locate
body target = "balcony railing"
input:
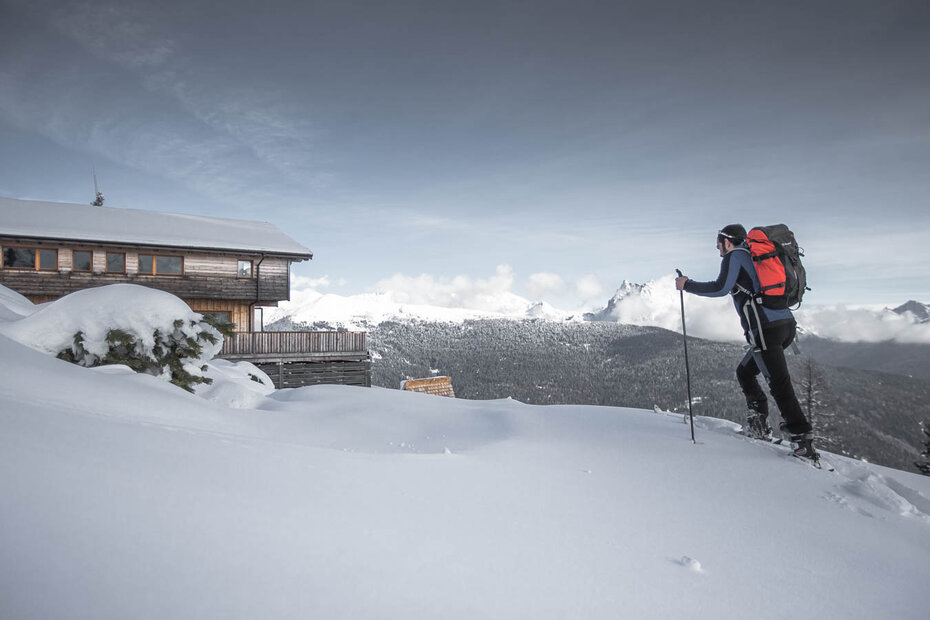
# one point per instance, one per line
(295, 344)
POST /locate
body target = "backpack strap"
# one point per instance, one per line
(740, 288)
(760, 344)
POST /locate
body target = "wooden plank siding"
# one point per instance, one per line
(332, 345)
(209, 282)
(435, 386)
(206, 275)
(52, 285)
(300, 374)
(297, 359)
(238, 310)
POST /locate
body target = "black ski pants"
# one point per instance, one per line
(772, 364)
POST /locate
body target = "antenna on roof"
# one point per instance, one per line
(98, 201)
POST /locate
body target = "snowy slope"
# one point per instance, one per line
(125, 497)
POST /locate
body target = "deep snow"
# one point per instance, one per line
(125, 497)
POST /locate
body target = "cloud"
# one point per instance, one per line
(589, 287)
(541, 283)
(116, 32)
(302, 282)
(142, 101)
(863, 325)
(658, 304)
(492, 294)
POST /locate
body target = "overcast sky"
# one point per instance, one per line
(576, 143)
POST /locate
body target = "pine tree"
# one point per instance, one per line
(226, 329)
(814, 395)
(173, 353)
(924, 466)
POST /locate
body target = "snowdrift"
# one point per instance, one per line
(124, 496)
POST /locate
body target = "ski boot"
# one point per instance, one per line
(804, 445)
(757, 420)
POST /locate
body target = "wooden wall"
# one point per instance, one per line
(437, 386)
(238, 310)
(300, 374)
(277, 344)
(206, 275)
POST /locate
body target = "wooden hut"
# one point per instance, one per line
(225, 267)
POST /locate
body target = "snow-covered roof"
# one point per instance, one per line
(76, 222)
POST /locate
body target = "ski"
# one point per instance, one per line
(769, 439)
(779, 441)
(815, 463)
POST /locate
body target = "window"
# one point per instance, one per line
(116, 262)
(30, 258)
(169, 265)
(161, 265)
(48, 259)
(82, 260)
(19, 258)
(245, 269)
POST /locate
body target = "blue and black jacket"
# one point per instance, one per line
(738, 278)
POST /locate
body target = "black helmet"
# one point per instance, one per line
(734, 232)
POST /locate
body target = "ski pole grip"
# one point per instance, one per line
(680, 275)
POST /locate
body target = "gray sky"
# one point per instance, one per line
(571, 139)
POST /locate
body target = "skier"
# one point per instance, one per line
(768, 332)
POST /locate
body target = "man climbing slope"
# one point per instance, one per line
(769, 332)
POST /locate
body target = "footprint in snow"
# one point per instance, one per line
(691, 564)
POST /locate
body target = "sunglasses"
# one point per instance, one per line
(722, 235)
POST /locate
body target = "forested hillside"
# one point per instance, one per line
(874, 415)
(904, 358)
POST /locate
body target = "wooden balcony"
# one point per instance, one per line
(296, 346)
(297, 359)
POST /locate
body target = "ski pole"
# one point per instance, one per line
(684, 335)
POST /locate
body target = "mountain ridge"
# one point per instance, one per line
(654, 303)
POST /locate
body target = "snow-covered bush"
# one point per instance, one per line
(171, 352)
(148, 330)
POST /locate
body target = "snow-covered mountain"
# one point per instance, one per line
(658, 304)
(127, 497)
(651, 304)
(627, 290)
(654, 304)
(309, 306)
(920, 312)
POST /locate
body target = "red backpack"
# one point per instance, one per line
(777, 257)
